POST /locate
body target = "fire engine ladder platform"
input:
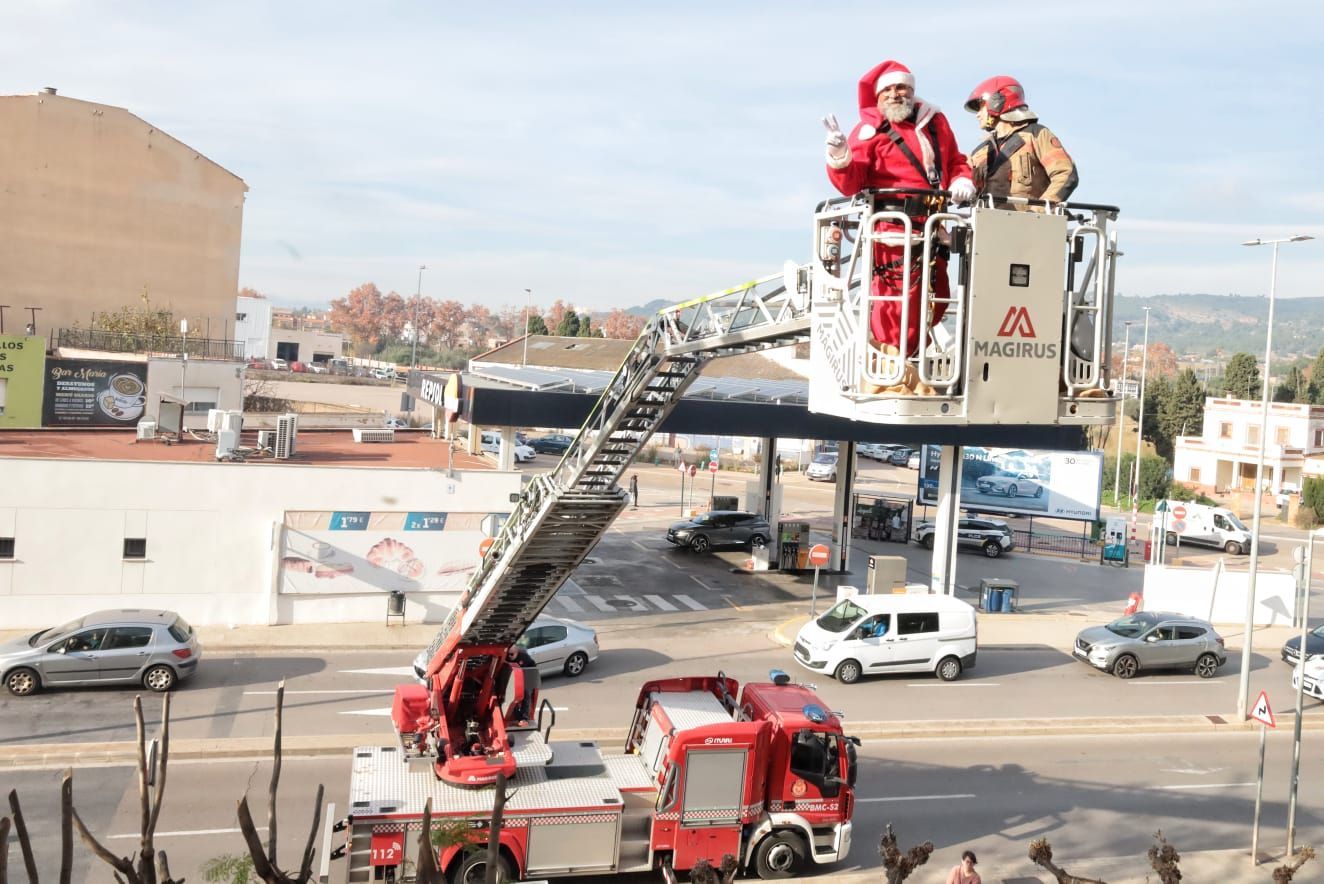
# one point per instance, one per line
(562, 514)
(579, 777)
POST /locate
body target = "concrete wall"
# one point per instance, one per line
(311, 346)
(254, 328)
(100, 207)
(213, 531)
(1191, 591)
(207, 381)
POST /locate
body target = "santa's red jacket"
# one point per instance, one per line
(875, 161)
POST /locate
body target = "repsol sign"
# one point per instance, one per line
(433, 391)
(1016, 349)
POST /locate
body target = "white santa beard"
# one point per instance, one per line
(897, 111)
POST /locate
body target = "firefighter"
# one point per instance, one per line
(900, 141)
(1018, 157)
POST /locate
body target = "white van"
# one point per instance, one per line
(490, 443)
(872, 634)
(1202, 524)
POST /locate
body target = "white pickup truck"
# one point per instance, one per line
(1202, 524)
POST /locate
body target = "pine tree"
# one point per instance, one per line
(569, 325)
(537, 326)
(1242, 379)
(1317, 379)
(1182, 413)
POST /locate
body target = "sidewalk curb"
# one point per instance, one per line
(49, 756)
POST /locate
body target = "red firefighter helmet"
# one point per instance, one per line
(1000, 93)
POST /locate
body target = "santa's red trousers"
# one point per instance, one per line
(885, 319)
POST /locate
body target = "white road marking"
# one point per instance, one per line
(188, 832)
(346, 691)
(382, 713)
(948, 684)
(661, 603)
(598, 603)
(689, 603)
(701, 583)
(912, 798)
(641, 546)
(384, 670)
(1204, 681)
(672, 563)
(632, 604)
(570, 604)
(1207, 786)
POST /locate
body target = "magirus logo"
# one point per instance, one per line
(1017, 324)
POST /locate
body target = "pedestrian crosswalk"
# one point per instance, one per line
(573, 599)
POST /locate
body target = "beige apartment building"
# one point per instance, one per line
(98, 207)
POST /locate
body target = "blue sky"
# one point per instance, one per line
(612, 153)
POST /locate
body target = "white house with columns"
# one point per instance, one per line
(1223, 457)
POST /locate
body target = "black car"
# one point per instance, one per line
(720, 528)
(556, 443)
(899, 456)
(1314, 646)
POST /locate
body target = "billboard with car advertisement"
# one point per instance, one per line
(22, 358)
(1058, 484)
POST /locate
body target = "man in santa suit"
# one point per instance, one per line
(900, 141)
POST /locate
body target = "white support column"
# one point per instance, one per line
(946, 520)
(843, 515)
(768, 480)
(506, 459)
(473, 440)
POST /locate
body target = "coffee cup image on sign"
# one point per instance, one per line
(122, 408)
(126, 385)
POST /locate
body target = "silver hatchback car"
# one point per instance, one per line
(156, 649)
(1152, 640)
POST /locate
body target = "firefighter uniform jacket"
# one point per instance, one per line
(1027, 161)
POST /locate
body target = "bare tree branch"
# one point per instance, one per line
(425, 863)
(1285, 873)
(261, 867)
(306, 867)
(4, 850)
(121, 865)
(1041, 854)
(24, 843)
(67, 826)
(275, 776)
(897, 866)
(162, 757)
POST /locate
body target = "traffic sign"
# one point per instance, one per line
(1178, 526)
(694, 471)
(681, 466)
(1179, 513)
(485, 545)
(818, 555)
(1261, 711)
(712, 466)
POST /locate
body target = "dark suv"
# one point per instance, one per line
(556, 443)
(720, 528)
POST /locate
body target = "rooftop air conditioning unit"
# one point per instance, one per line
(232, 420)
(287, 426)
(226, 442)
(146, 430)
(374, 434)
(266, 439)
(214, 418)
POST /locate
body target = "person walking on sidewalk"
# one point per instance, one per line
(634, 491)
(965, 872)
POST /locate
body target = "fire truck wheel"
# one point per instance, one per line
(474, 869)
(22, 682)
(778, 855)
(848, 672)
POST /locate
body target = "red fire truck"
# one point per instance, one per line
(764, 774)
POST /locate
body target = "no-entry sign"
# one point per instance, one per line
(712, 466)
(818, 555)
(1179, 512)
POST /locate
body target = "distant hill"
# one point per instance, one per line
(1204, 325)
(1210, 325)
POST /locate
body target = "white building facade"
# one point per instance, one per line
(252, 326)
(255, 543)
(1224, 456)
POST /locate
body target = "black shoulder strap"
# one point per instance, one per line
(886, 127)
(1005, 151)
(936, 177)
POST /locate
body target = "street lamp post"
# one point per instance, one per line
(1121, 412)
(418, 296)
(1140, 418)
(1243, 689)
(528, 306)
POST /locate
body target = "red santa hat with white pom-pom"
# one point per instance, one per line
(892, 73)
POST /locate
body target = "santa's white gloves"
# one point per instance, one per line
(962, 190)
(838, 153)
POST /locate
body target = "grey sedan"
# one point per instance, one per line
(557, 645)
(1151, 640)
(156, 649)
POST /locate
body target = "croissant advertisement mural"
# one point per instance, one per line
(358, 552)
